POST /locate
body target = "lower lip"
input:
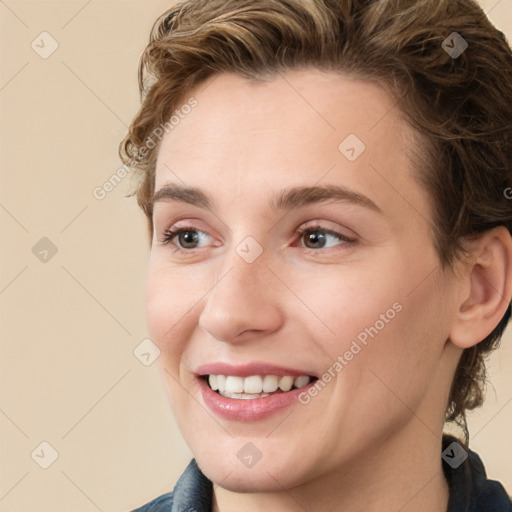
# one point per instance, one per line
(254, 409)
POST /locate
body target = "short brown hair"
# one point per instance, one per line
(460, 106)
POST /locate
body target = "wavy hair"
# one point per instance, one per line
(460, 107)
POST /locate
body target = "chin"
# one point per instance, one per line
(252, 480)
(265, 476)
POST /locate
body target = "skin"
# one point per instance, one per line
(371, 439)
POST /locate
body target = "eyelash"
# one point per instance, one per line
(171, 233)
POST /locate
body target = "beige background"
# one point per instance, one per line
(69, 325)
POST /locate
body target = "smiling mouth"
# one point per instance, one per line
(255, 386)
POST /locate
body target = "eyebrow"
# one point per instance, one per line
(286, 199)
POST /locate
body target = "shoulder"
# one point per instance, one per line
(192, 493)
(161, 504)
(470, 489)
(490, 495)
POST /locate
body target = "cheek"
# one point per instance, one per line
(169, 313)
(398, 367)
(388, 331)
(171, 302)
(346, 304)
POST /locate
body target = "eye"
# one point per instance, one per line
(188, 238)
(318, 237)
(185, 238)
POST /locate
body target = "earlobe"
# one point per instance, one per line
(487, 288)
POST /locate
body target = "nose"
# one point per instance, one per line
(244, 302)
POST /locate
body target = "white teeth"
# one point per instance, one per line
(234, 384)
(221, 382)
(270, 383)
(243, 396)
(212, 379)
(253, 386)
(286, 383)
(302, 381)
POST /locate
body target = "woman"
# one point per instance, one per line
(325, 184)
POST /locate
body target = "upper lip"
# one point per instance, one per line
(246, 370)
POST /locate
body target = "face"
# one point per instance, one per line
(299, 252)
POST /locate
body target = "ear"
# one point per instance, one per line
(486, 289)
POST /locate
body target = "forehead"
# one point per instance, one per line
(310, 104)
(289, 131)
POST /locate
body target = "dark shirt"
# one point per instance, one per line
(470, 490)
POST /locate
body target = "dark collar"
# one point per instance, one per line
(470, 490)
(193, 491)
